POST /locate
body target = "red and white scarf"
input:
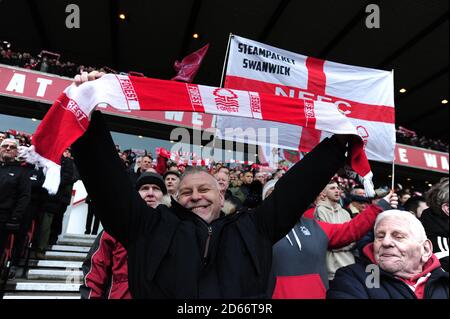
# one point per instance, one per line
(69, 116)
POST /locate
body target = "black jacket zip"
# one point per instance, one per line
(206, 251)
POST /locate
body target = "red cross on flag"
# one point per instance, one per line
(364, 95)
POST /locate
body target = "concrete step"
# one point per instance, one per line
(42, 286)
(67, 276)
(79, 236)
(64, 255)
(75, 249)
(75, 242)
(54, 264)
(40, 295)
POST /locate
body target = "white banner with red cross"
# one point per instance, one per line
(364, 95)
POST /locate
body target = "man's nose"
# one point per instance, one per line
(195, 195)
(387, 241)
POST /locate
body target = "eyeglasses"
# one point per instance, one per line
(10, 146)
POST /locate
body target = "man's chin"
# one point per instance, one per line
(151, 204)
(204, 213)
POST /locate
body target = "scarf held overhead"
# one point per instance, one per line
(68, 118)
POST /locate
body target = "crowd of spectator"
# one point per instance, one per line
(342, 214)
(45, 61)
(408, 137)
(244, 187)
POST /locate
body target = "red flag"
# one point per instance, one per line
(188, 67)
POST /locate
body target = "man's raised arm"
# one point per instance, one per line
(298, 188)
(118, 205)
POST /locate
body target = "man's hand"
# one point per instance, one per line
(392, 199)
(84, 77)
(343, 139)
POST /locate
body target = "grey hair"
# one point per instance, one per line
(437, 195)
(353, 191)
(11, 140)
(414, 225)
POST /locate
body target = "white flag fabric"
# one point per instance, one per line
(364, 95)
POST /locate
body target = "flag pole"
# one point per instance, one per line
(393, 175)
(393, 160)
(221, 85)
(226, 59)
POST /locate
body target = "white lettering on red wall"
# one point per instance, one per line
(421, 158)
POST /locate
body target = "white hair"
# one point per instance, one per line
(10, 140)
(413, 224)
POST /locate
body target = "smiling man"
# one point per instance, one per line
(193, 250)
(399, 264)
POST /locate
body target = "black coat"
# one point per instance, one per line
(172, 253)
(350, 283)
(15, 191)
(436, 226)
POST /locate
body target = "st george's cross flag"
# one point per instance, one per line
(364, 95)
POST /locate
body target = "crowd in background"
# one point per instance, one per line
(39, 223)
(45, 61)
(405, 136)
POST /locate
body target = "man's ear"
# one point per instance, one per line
(222, 199)
(445, 208)
(427, 251)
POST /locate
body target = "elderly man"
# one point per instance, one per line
(15, 190)
(172, 181)
(260, 176)
(357, 204)
(399, 264)
(145, 166)
(232, 203)
(192, 250)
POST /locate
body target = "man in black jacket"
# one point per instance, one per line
(192, 250)
(15, 190)
(435, 220)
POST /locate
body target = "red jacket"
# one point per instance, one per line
(299, 259)
(105, 270)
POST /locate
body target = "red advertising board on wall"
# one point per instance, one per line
(421, 158)
(43, 87)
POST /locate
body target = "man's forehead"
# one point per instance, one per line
(221, 175)
(196, 179)
(392, 224)
(150, 186)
